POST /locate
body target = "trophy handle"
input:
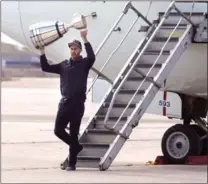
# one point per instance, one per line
(79, 21)
(69, 26)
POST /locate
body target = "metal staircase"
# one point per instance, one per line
(135, 87)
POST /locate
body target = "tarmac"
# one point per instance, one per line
(32, 154)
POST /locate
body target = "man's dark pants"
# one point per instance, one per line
(69, 111)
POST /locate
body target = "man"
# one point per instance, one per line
(73, 78)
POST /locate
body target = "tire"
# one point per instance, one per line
(205, 147)
(187, 143)
(204, 142)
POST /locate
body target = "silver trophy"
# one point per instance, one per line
(45, 33)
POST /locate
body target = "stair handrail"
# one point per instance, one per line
(192, 9)
(102, 44)
(111, 55)
(141, 52)
(99, 73)
(147, 75)
(184, 16)
(150, 4)
(114, 51)
(125, 10)
(170, 7)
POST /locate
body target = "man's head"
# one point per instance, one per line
(75, 48)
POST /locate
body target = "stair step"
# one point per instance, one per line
(99, 136)
(120, 105)
(149, 57)
(88, 162)
(172, 26)
(102, 117)
(176, 14)
(158, 43)
(125, 95)
(174, 17)
(94, 149)
(88, 158)
(166, 30)
(110, 122)
(142, 65)
(136, 78)
(156, 52)
(127, 91)
(118, 108)
(164, 39)
(100, 131)
(133, 83)
(94, 145)
(163, 27)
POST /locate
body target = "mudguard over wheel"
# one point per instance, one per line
(201, 133)
(179, 142)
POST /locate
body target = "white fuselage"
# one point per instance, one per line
(11, 48)
(189, 76)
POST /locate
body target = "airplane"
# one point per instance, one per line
(188, 79)
(14, 56)
(10, 47)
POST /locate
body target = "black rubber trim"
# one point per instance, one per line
(164, 39)
(100, 131)
(156, 52)
(88, 158)
(148, 65)
(95, 145)
(120, 105)
(60, 35)
(136, 78)
(185, 13)
(173, 26)
(102, 117)
(129, 91)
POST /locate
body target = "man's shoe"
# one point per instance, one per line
(71, 168)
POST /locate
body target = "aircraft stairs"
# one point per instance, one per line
(145, 72)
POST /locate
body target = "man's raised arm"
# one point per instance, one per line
(89, 50)
(55, 68)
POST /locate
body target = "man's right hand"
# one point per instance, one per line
(42, 51)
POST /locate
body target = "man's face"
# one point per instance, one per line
(75, 51)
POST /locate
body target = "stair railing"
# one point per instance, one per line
(102, 44)
(168, 11)
(125, 10)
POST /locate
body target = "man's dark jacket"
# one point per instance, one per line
(73, 74)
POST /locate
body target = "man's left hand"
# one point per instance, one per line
(83, 34)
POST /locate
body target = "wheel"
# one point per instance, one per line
(180, 141)
(205, 147)
(204, 142)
